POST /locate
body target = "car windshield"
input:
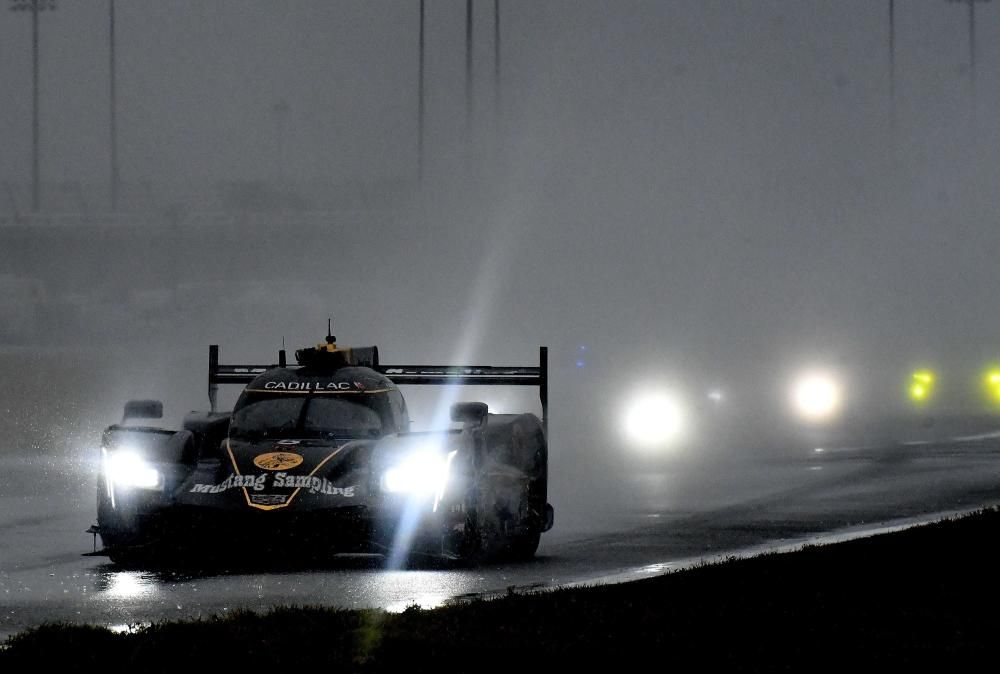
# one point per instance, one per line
(306, 416)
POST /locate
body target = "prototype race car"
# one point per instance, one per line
(320, 457)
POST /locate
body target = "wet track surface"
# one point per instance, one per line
(47, 502)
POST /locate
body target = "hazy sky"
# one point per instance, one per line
(712, 179)
(203, 85)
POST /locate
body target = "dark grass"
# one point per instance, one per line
(913, 600)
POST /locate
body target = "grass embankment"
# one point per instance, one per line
(924, 597)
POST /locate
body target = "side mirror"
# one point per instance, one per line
(143, 409)
(470, 414)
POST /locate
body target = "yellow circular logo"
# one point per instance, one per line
(277, 460)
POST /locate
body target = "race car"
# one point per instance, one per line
(318, 458)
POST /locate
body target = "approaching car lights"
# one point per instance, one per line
(921, 386)
(653, 420)
(816, 396)
(991, 384)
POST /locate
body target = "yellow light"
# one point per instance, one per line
(991, 383)
(921, 385)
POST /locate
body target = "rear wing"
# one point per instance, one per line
(416, 375)
(231, 374)
(476, 375)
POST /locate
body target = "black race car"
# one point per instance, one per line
(319, 458)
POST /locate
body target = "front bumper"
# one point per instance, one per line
(210, 534)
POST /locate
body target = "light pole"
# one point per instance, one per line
(420, 96)
(468, 68)
(34, 6)
(113, 103)
(498, 98)
(496, 49)
(972, 47)
(892, 70)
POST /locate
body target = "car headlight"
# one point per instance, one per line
(420, 473)
(817, 396)
(125, 468)
(654, 420)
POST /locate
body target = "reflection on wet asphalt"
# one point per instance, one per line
(686, 510)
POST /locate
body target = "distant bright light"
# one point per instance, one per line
(991, 381)
(921, 386)
(816, 396)
(653, 420)
(715, 395)
(127, 469)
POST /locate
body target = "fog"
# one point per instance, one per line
(701, 194)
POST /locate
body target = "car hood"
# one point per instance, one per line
(273, 474)
(291, 457)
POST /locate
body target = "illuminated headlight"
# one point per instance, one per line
(991, 384)
(420, 473)
(654, 420)
(125, 468)
(921, 386)
(816, 396)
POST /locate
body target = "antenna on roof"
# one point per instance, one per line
(282, 360)
(330, 339)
